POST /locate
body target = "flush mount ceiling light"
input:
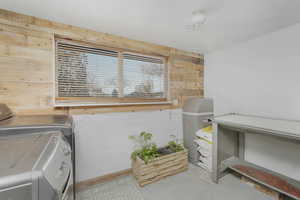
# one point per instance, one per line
(198, 19)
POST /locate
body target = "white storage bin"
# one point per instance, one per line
(204, 142)
(205, 152)
(206, 163)
(205, 135)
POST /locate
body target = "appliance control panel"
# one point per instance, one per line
(58, 167)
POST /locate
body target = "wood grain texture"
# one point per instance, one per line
(270, 179)
(27, 64)
(68, 31)
(159, 168)
(108, 177)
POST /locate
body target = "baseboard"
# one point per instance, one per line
(108, 177)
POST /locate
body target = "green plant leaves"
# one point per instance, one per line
(175, 147)
(147, 150)
(146, 136)
(146, 154)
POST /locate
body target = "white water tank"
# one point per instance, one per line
(195, 115)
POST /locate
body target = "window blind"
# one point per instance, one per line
(83, 71)
(86, 72)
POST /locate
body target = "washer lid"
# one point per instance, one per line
(36, 121)
(19, 153)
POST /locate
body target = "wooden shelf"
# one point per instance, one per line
(278, 127)
(268, 178)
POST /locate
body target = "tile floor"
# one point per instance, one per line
(193, 184)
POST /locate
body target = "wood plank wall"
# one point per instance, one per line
(27, 64)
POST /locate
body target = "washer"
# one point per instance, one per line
(11, 125)
(35, 166)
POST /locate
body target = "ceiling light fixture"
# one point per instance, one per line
(198, 19)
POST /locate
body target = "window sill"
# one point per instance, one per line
(91, 104)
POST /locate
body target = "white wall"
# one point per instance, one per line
(102, 144)
(260, 77)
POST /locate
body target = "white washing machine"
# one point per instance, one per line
(16, 126)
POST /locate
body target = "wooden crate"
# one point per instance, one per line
(160, 167)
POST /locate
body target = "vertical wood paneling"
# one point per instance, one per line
(27, 64)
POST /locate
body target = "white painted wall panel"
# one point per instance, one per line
(260, 77)
(102, 144)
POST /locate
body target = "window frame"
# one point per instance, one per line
(109, 101)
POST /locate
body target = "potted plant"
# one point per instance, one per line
(150, 163)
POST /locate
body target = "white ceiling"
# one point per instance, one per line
(164, 21)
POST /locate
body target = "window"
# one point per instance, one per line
(143, 77)
(86, 74)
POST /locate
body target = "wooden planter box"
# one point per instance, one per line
(160, 167)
